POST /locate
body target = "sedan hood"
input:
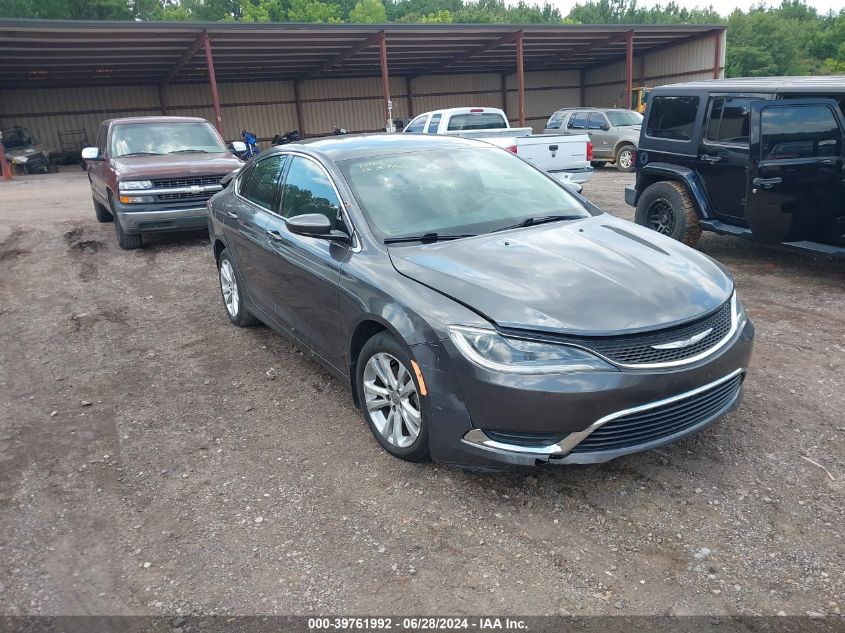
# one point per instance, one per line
(23, 152)
(594, 276)
(174, 165)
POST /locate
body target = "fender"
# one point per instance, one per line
(655, 172)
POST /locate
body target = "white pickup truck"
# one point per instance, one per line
(566, 158)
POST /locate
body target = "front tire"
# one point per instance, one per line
(231, 289)
(126, 241)
(103, 214)
(666, 207)
(390, 398)
(625, 158)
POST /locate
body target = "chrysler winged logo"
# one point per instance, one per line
(685, 342)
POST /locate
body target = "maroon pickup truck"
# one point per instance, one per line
(155, 174)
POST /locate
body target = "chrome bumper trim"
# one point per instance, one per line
(479, 438)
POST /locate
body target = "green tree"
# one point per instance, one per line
(368, 12)
(313, 11)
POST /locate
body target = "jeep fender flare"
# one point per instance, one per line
(655, 172)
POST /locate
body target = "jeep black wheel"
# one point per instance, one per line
(666, 207)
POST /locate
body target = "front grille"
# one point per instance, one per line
(636, 349)
(165, 197)
(173, 183)
(650, 425)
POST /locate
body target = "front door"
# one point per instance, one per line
(722, 163)
(598, 127)
(796, 180)
(306, 270)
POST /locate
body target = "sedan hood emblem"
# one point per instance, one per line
(685, 342)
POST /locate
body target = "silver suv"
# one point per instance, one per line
(614, 133)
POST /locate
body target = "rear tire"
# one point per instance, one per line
(625, 159)
(231, 290)
(103, 214)
(666, 207)
(385, 376)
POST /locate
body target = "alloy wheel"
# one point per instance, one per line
(392, 400)
(661, 217)
(624, 159)
(229, 286)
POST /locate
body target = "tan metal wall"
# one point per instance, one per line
(267, 108)
(604, 86)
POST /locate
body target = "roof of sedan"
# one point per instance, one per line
(359, 145)
(158, 119)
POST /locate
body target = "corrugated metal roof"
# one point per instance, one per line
(59, 53)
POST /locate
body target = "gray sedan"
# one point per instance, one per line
(481, 314)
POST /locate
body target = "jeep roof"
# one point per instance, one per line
(835, 83)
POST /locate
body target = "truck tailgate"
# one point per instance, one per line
(554, 152)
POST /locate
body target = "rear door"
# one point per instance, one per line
(245, 217)
(796, 180)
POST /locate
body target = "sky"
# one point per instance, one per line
(722, 6)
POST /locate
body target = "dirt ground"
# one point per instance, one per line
(149, 465)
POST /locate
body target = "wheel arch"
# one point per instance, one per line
(366, 328)
(219, 247)
(656, 172)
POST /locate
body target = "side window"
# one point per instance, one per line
(417, 125)
(799, 132)
(672, 118)
(102, 132)
(578, 121)
(308, 190)
(262, 183)
(728, 121)
(554, 121)
(434, 123)
(597, 120)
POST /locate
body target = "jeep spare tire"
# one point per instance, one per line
(666, 207)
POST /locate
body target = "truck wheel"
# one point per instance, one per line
(667, 208)
(625, 158)
(103, 214)
(598, 164)
(126, 241)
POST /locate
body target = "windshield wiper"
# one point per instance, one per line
(188, 151)
(428, 238)
(540, 219)
(141, 154)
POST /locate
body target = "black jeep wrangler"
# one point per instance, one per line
(759, 158)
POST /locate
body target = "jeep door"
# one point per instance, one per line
(796, 180)
(722, 162)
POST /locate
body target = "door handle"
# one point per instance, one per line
(767, 183)
(552, 148)
(275, 235)
(707, 158)
(232, 214)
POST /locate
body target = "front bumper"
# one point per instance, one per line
(580, 175)
(149, 218)
(466, 403)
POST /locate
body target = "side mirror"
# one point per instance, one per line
(91, 153)
(314, 225)
(605, 127)
(239, 147)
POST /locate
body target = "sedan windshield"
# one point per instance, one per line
(134, 139)
(15, 138)
(622, 118)
(456, 192)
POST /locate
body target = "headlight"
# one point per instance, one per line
(488, 349)
(20, 159)
(131, 185)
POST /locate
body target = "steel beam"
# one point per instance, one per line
(520, 77)
(212, 78)
(505, 39)
(385, 76)
(629, 68)
(339, 59)
(186, 57)
(580, 50)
